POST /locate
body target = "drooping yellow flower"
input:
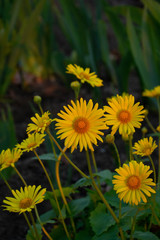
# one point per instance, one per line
(33, 141)
(155, 92)
(132, 182)
(25, 199)
(9, 157)
(81, 124)
(84, 75)
(40, 123)
(145, 147)
(124, 114)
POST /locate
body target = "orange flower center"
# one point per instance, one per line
(81, 125)
(30, 145)
(133, 182)
(25, 203)
(85, 75)
(147, 151)
(124, 116)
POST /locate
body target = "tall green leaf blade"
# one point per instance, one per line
(137, 53)
(154, 8)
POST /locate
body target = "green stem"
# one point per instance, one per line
(95, 167)
(130, 148)
(158, 163)
(158, 102)
(67, 158)
(7, 184)
(133, 225)
(61, 190)
(101, 195)
(18, 173)
(117, 153)
(28, 222)
(155, 215)
(150, 124)
(43, 228)
(54, 194)
(34, 225)
(153, 167)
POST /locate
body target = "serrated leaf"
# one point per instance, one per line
(112, 233)
(79, 205)
(100, 220)
(144, 235)
(112, 198)
(83, 182)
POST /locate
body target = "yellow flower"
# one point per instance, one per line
(158, 128)
(33, 141)
(85, 75)
(132, 182)
(145, 147)
(155, 92)
(81, 124)
(24, 200)
(9, 157)
(40, 123)
(124, 114)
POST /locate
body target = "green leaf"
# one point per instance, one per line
(100, 220)
(112, 233)
(105, 174)
(137, 53)
(58, 233)
(47, 157)
(48, 216)
(79, 205)
(83, 234)
(112, 198)
(82, 182)
(30, 236)
(67, 191)
(144, 235)
(154, 8)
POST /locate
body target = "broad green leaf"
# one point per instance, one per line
(58, 233)
(100, 220)
(79, 205)
(48, 216)
(112, 233)
(82, 182)
(67, 191)
(105, 174)
(144, 235)
(31, 236)
(83, 234)
(112, 198)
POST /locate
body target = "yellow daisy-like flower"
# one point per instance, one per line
(24, 200)
(124, 114)
(9, 157)
(132, 182)
(155, 92)
(85, 75)
(33, 141)
(145, 147)
(40, 123)
(81, 124)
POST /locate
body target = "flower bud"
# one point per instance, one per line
(146, 112)
(144, 130)
(110, 138)
(75, 85)
(37, 99)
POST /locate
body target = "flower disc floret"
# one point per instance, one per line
(33, 141)
(81, 124)
(25, 199)
(123, 114)
(132, 182)
(40, 123)
(84, 75)
(145, 147)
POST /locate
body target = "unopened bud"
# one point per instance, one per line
(110, 138)
(158, 128)
(125, 137)
(37, 99)
(144, 130)
(75, 85)
(146, 112)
